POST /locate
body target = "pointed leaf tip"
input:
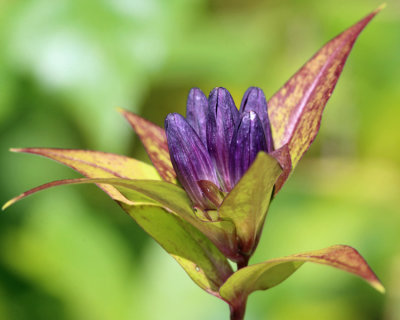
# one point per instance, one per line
(295, 111)
(96, 164)
(268, 274)
(8, 204)
(381, 7)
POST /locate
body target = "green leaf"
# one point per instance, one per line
(175, 199)
(247, 203)
(158, 193)
(202, 261)
(268, 274)
(153, 205)
(95, 164)
(295, 111)
(154, 140)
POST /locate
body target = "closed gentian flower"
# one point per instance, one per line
(214, 147)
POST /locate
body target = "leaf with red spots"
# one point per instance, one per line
(95, 164)
(265, 275)
(155, 142)
(295, 111)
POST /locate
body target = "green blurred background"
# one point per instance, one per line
(65, 65)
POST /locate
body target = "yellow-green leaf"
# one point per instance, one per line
(196, 253)
(154, 140)
(163, 194)
(95, 164)
(247, 203)
(202, 261)
(295, 111)
(268, 274)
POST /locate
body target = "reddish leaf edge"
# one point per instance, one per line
(312, 256)
(288, 140)
(60, 183)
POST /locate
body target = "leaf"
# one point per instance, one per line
(295, 111)
(202, 261)
(155, 142)
(95, 164)
(247, 203)
(282, 155)
(158, 193)
(268, 274)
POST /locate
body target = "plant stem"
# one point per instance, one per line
(243, 262)
(237, 311)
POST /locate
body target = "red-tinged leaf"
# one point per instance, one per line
(115, 195)
(295, 110)
(95, 164)
(155, 142)
(282, 155)
(268, 274)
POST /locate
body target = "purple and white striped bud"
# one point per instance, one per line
(190, 159)
(248, 140)
(196, 112)
(254, 100)
(222, 119)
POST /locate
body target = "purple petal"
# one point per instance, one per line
(222, 119)
(249, 139)
(196, 112)
(189, 158)
(254, 100)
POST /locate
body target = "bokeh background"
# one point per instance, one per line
(65, 65)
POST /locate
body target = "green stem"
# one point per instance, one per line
(239, 308)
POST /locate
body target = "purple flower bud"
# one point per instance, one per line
(222, 119)
(189, 158)
(196, 112)
(247, 141)
(254, 100)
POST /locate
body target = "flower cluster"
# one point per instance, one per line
(215, 145)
